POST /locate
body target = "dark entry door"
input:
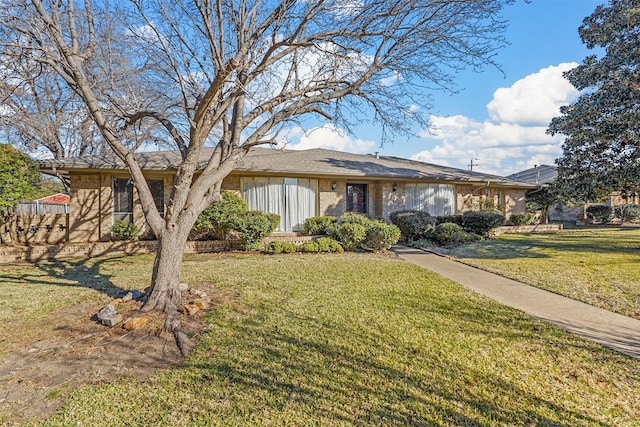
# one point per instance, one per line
(357, 198)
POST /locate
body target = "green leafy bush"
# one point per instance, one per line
(627, 212)
(221, 217)
(413, 225)
(310, 246)
(350, 234)
(481, 222)
(381, 236)
(124, 230)
(327, 244)
(600, 213)
(353, 218)
(280, 247)
(451, 235)
(319, 225)
(254, 226)
(521, 218)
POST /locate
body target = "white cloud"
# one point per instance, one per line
(535, 99)
(514, 138)
(327, 136)
(394, 79)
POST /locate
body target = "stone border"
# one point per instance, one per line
(538, 228)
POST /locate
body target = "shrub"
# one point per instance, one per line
(627, 212)
(381, 236)
(221, 217)
(318, 225)
(351, 235)
(521, 218)
(124, 230)
(353, 218)
(327, 244)
(450, 234)
(413, 225)
(280, 247)
(310, 246)
(254, 226)
(455, 219)
(600, 213)
(481, 222)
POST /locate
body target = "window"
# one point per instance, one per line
(294, 199)
(122, 200)
(357, 198)
(435, 199)
(157, 190)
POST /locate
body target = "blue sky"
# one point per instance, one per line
(497, 119)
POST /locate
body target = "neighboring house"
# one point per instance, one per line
(543, 175)
(56, 203)
(294, 184)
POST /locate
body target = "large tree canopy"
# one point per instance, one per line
(601, 153)
(19, 176)
(232, 74)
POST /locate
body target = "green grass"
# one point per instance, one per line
(596, 266)
(358, 340)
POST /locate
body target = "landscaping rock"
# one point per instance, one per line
(106, 311)
(201, 303)
(198, 293)
(134, 295)
(135, 323)
(191, 309)
(108, 316)
(113, 320)
(183, 287)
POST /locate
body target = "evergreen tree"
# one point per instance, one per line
(601, 153)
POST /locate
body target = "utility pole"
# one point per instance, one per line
(471, 164)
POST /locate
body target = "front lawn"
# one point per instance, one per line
(598, 266)
(355, 340)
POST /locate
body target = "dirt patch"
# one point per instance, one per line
(36, 376)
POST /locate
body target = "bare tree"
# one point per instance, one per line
(236, 72)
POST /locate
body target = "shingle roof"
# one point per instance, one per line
(317, 162)
(543, 174)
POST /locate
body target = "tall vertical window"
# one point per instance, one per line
(435, 199)
(294, 199)
(357, 198)
(157, 190)
(122, 200)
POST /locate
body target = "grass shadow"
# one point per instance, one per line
(85, 273)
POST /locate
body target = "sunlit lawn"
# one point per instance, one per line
(343, 340)
(599, 266)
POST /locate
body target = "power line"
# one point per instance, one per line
(471, 164)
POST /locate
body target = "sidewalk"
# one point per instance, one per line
(613, 330)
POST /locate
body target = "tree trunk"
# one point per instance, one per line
(165, 295)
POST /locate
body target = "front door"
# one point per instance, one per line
(357, 198)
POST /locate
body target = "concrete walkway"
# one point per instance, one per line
(613, 330)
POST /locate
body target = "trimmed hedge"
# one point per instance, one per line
(322, 244)
(319, 225)
(481, 222)
(355, 231)
(221, 217)
(413, 225)
(381, 236)
(451, 235)
(600, 213)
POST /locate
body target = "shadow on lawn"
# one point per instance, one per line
(84, 274)
(326, 381)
